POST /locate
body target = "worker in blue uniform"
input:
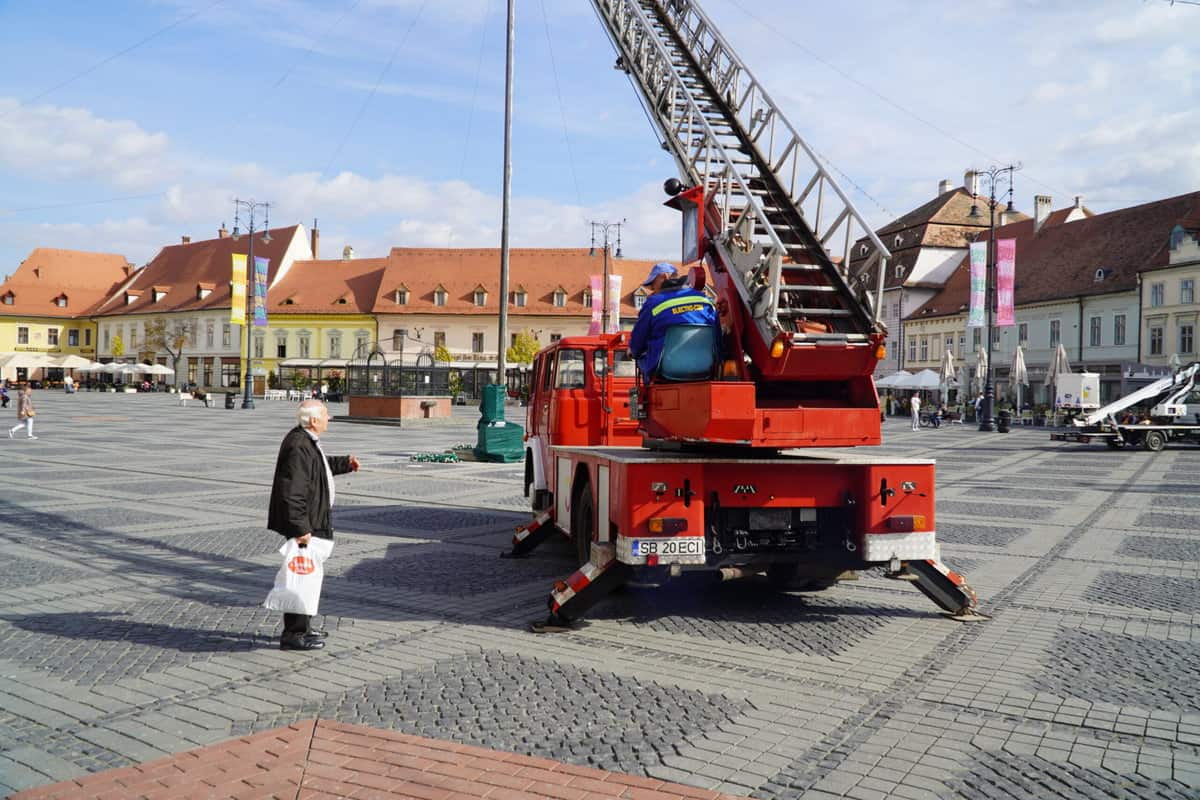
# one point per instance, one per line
(673, 302)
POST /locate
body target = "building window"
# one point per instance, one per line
(1187, 338)
(1023, 333)
(519, 298)
(87, 338)
(480, 297)
(962, 345)
(899, 271)
(226, 335)
(229, 375)
(398, 337)
(1187, 291)
(554, 337)
(639, 300)
(995, 336)
(9, 298)
(258, 346)
(439, 338)
(976, 339)
(1157, 294)
(402, 297)
(1094, 332)
(912, 348)
(587, 298)
(335, 345)
(476, 342)
(208, 336)
(133, 331)
(560, 298)
(1055, 332)
(208, 372)
(360, 345)
(924, 348)
(1119, 329)
(304, 347)
(949, 343)
(281, 348)
(61, 301)
(106, 332)
(72, 338)
(22, 334)
(895, 311)
(439, 297)
(1156, 340)
(52, 337)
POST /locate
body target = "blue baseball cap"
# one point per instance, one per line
(661, 268)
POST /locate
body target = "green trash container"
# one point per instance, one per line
(230, 399)
(1003, 420)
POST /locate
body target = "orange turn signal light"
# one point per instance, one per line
(777, 347)
(880, 353)
(729, 368)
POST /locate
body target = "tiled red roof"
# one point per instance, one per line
(1060, 260)
(333, 286)
(85, 279)
(182, 267)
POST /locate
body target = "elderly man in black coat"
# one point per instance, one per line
(302, 495)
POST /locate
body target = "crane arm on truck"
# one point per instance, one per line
(1174, 385)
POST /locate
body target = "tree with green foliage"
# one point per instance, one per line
(523, 349)
(170, 337)
(442, 354)
(118, 347)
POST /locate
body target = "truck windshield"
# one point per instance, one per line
(623, 365)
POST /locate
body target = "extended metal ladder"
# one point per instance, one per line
(780, 208)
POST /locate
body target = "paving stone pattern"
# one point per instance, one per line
(1150, 592)
(131, 625)
(1122, 670)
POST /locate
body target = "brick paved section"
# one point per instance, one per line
(317, 759)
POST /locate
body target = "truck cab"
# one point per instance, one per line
(579, 397)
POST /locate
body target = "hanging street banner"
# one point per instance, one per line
(1006, 278)
(260, 291)
(978, 284)
(614, 304)
(596, 283)
(237, 291)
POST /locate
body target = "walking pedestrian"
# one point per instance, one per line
(302, 496)
(915, 404)
(25, 413)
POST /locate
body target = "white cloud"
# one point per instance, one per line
(1049, 92)
(1152, 21)
(73, 143)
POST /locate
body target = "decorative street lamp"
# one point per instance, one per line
(250, 206)
(993, 175)
(604, 228)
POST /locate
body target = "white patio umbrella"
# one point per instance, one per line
(24, 361)
(159, 369)
(981, 365)
(1018, 375)
(1058, 365)
(893, 380)
(71, 362)
(947, 372)
(925, 379)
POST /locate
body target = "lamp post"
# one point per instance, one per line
(251, 207)
(604, 228)
(993, 176)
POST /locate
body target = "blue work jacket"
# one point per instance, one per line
(669, 306)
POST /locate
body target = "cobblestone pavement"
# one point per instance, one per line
(135, 558)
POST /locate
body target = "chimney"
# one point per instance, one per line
(1079, 201)
(971, 182)
(185, 239)
(347, 253)
(943, 187)
(1041, 210)
(316, 240)
(222, 233)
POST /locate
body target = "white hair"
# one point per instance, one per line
(308, 411)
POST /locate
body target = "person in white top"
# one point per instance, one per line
(915, 404)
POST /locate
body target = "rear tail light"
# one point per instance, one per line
(665, 525)
(907, 522)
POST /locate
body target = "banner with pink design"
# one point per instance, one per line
(1006, 279)
(614, 303)
(595, 282)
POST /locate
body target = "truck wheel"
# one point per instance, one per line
(583, 524)
(1154, 441)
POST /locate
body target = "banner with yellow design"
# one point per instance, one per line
(237, 290)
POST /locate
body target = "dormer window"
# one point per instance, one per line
(587, 298)
(159, 294)
(61, 301)
(899, 272)
(1099, 276)
(289, 302)
(341, 301)
(203, 291)
(899, 240)
(401, 296)
(480, 296)
(8, 299)
(560, 297)
(863, 249)
(131, 297)
(439, 296)
(519, 298)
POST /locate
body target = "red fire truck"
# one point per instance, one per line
(705, 463)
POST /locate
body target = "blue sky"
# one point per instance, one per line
(383, 118)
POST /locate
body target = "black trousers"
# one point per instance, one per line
(295, 626)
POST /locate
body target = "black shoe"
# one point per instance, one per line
(319, 633)
(300, 644)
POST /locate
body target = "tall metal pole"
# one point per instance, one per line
(604, 288)
(986, 424)
(247, 396)
(501, 366)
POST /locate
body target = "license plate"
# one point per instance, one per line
(680, 546)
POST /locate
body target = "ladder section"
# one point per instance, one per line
(780, 211)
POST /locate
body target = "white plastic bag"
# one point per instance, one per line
(298, 582)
